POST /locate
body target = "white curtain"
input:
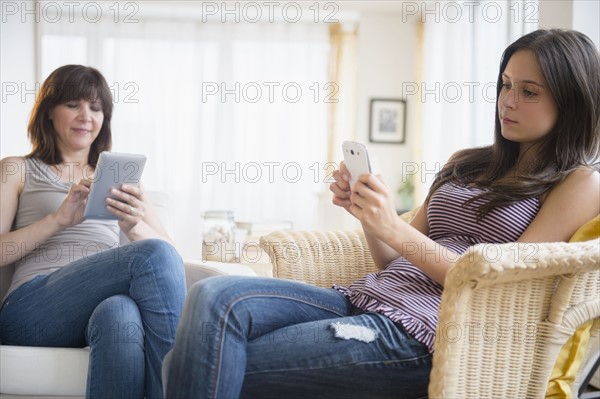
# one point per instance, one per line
(462, 51)
(230, 115)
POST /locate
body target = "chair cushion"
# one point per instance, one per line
(573, 351)
(28, 370)
(588, 231)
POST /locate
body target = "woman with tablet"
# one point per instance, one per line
(269, 338)
(74, 285)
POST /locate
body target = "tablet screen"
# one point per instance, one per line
(112, 170)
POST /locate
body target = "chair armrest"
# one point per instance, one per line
(321, 257)
(318, 257)
(497, 263)
(506, 311)
(196, 270)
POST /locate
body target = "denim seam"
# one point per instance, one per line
(160, 297)
(349, 364)
(91, 373)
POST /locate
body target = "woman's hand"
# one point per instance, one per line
(139, 219)
(368, 206)
(373, 204)
(70, 212)
(341, 188)
(128, 204)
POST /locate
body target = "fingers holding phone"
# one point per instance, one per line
(341, 187)
(356, 163)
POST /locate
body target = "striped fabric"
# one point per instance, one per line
(408, 296)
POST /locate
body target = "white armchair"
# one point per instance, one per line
(36, 371)
(39, 371)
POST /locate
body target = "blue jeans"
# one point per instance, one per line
(271, 338)
(125, 304)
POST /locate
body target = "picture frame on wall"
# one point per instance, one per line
(387, 121)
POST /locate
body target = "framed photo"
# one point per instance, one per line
(387, 121)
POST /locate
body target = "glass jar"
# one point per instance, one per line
(218, 235)
(218, 226)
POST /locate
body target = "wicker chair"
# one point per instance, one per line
(506, 309)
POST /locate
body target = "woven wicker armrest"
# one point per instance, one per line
(319, 257)
(495, 263)
(506, 311)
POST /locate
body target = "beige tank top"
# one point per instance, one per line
(42, 194)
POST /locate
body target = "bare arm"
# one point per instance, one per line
(567, 207)
(372, 204)
(383, 253)
(16, 244)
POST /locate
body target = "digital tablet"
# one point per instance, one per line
(112, 170)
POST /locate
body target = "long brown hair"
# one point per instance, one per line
(571, 65)
(68, 83)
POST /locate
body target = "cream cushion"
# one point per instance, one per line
(43, 371)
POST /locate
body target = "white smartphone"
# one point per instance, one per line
(356, 158)
(112, 170)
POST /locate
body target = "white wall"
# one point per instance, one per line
(386, 61)
(581, 15)
(387, 48)
(586, 18)
(18, 75)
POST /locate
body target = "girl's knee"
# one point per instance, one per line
(158, 255)
(202, 291)
(220, 288)
(116, 318)
(213, 297)
(116, 308)
(158, 249)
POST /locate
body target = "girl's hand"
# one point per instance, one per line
(341, 187)
(129, 206)
(70, 212)
(373, 204)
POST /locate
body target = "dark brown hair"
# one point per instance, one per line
(571, 66)
(68, 83)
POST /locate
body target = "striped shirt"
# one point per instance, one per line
(408, 296)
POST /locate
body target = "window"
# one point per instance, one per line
(462, 54)
(230, 116)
